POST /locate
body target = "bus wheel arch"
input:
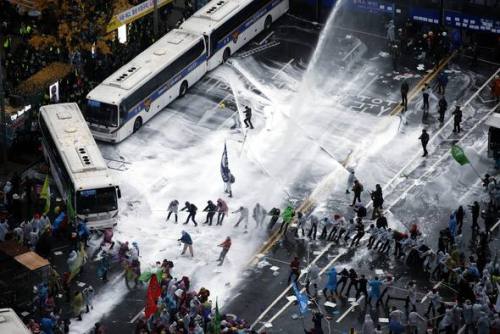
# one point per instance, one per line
(183, 89)
(137, 124)
(226, 54)
(268, 22)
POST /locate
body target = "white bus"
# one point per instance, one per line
(77, 166)
(11, 323)
(136, 92)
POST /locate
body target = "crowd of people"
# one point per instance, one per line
(468, 275)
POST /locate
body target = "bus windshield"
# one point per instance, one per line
(101, 113)
(96, 200)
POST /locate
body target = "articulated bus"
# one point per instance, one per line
(136, 92)
(77, 166)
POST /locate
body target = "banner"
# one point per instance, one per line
(69, 206)
(301, 299)
(154, 291)
(45, 194)
(459, 155)
(224, 166)
(216, 320)
(134, 13)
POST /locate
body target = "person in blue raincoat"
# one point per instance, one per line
(331, 284)
(452, 226)
(374, 285)
(103, 267)
(56, 225)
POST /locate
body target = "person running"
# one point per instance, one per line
(243, 211)
(226, 245)
(191, 209)
(378, 200)
(222, 210)
(357, 188)
(443, 105)
(187, 242)
(173, 208)
(425, 97)
(457, 119)
(424, 139)
(404, 94)
(210, 209)
(248, 117)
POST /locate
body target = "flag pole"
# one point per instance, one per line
(475, 171)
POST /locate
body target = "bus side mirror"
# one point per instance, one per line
(118, 192)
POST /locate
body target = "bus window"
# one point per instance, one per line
(101, 113)
(96, 200)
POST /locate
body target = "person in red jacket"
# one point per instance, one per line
(225, 248)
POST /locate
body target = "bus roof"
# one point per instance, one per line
(79, 151)
(11, 323)
(212, 15)
(144, 66)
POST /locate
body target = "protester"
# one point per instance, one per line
(226, 245)
(187, 242)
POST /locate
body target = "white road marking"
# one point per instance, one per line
(356, 303)
(282, 68)
(433, 167)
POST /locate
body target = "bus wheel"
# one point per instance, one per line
(268, 22)
(226, 55)
(184, 88)
(137, 124)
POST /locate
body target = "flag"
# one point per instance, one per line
(154, 291)
(45, 194)
(217, 319)
(224, 166)
(459, 155)
(301, 299)
(69, 206)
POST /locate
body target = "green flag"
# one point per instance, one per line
(69, 205)
(45, 194)
(459, 155)
(217, 319)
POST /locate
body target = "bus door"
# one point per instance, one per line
(207, 45)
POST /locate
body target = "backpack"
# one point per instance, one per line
(231, 178)
(361, 187)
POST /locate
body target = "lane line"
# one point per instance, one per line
(288, 288)
(349, 310)
(353, 49)
(134, 319)
(428, 293)
(301, 290)
(368, 85)
(432, 168)
(282, 68)
(426, 79)
(437, 133)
